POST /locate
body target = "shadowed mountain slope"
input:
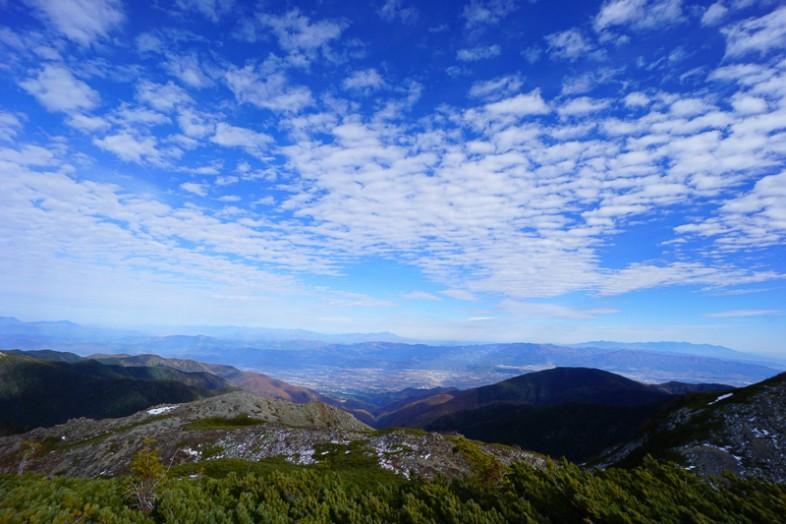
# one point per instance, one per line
(36, 392)
(543, 388)
(575, 413)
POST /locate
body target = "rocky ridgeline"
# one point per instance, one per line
(237, 425)
(745, 437)
(742, 432)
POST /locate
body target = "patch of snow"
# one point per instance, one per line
(189, 451)
(722, 397)
(158, 411)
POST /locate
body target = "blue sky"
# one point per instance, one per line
(553, 171)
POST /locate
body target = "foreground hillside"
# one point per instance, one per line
(239, 457)
(555, 493)
(237, 426)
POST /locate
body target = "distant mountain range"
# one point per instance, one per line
(356, 372)
(685, 348)
(63, 329)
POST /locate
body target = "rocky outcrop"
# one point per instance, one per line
(742, 432)
(237, 425)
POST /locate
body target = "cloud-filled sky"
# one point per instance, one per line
(489, 170)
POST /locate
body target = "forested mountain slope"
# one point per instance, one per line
(36, 392)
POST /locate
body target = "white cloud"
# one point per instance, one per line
(532, 54)
(86, 123)
(57, 89)
(646, 276)
(478, 53)
(529, 310)
(460, 294)
(213, 10)
(479, 13)
(91, 241)
(195, 188)
(636, 99)
(269, 90)
(742, 313)
(366, 80)
(714, 14)
(127, 116)
(747, 104)
(9, 126)
(531, 103)
(420, 295)
(638, 14)
(29, 155)
(147, 43)
(393, 10)
(569, 44)
(231, 136)
(128, 147)
(756, 35)
(302, 38)
(582, 106)
(164, 97)
(690, 107)
(188, 70)
(83, 21)
(194, 124)
(755, 219)
(492, 90)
